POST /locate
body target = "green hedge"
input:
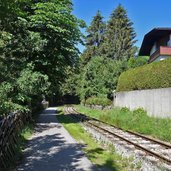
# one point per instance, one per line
(149, 76)
(101, 101)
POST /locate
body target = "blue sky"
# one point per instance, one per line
(145, 14)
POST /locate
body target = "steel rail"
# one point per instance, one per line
(167, 145)
(164, 159)
(132, 143)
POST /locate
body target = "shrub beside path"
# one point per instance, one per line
(51, 148)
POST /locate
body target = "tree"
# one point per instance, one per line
(134, 62)
(94, 38)
(24, 93)
(60, 28)
(43, 33)
(95, 31)
(30, 87)
(107, 52)
(119, 36)
(69, 87)
(99, 76)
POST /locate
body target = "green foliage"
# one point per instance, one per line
(104, 159)
(119, 36)
(31, 86)
(134, 62)
(139, 111)
(26, 89)
(101, 101)
(124, 109)
(136, 120)
(43, 33)
(56, 24)
(99, 76)
(7, 102)
(114, 40)
(94, 38)
(4, 38)
(69, 87)
(96, 30)
(149, 76)
(32, 83)
(108, 49)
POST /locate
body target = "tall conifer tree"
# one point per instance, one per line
(119, 36)
(94, 38)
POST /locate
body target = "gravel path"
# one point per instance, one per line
(51, 148)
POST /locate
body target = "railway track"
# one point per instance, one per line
(152, 147)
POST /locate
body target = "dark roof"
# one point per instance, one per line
(150, 38)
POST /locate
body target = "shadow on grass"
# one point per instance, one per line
(108, 164)
(51, 151)
(66, 119)
(69, 118)
(94, 151)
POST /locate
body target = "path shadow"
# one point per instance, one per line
(48, 116)
(49, 153)
(50, 150)
(108, 165)
(69, 118)
(66, 119)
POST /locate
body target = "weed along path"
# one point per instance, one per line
(51, 148)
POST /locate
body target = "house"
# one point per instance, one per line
(157, 44)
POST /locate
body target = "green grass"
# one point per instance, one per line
(27, 132)
(94, 151)
(22, 140)
(137, 121)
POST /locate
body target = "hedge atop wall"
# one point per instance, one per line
(149, 76)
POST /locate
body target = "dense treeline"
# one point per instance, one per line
(109, 50)
(37, 45)
(38, 54)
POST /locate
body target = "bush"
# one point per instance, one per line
(149, 76)
(140, 111)
(134, 62)
(101, 101)
(99, 76)
(124, 109)
(25, 93)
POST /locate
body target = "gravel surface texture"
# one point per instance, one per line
(51, 148)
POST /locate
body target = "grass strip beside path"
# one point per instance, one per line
(93, 150)
(137, 121)
(24, 135)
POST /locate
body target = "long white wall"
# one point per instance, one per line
(157, 102)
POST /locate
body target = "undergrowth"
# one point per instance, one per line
(136, 120)
(22, 140)
(103, 158)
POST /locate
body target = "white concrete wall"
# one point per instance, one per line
(157, 102)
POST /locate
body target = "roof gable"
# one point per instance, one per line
(150, 38)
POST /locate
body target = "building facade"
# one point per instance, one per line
(157, 44)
